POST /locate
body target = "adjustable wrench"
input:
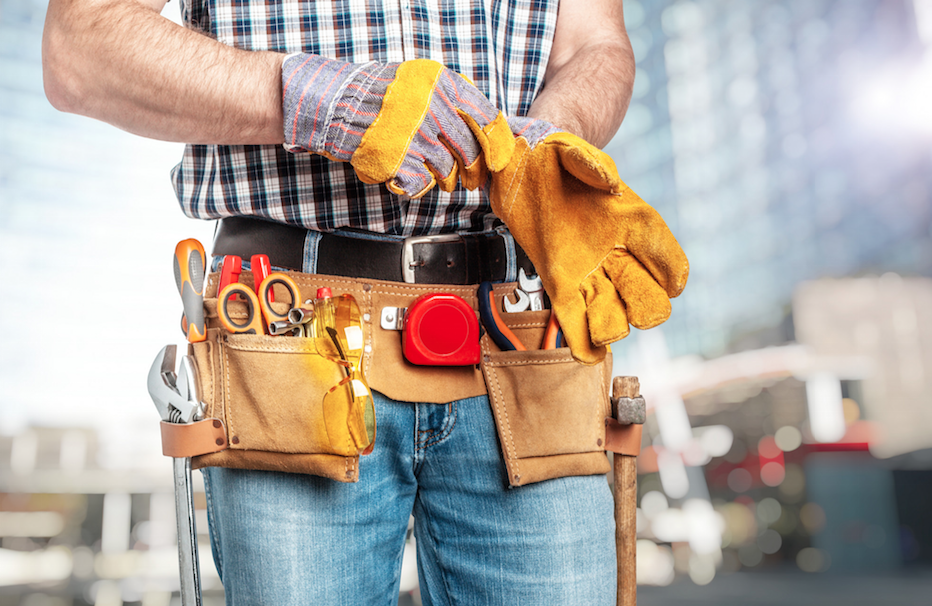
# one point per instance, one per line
(176, 396)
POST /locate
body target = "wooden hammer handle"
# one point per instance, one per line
(626, 491)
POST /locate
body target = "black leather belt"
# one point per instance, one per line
(440, 259)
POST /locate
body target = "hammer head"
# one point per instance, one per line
(629, 411)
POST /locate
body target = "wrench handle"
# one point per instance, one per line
(188, 564)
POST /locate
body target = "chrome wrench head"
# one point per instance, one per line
(162, 379)
(522, 304)
(534, 287)
(175, 395)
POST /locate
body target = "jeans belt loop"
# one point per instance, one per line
(311, 246)
(511, 270)
(408, 262)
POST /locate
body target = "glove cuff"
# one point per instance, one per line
(532, 130)
(328, 104)
(360, 101)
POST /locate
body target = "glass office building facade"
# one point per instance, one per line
(782, 141)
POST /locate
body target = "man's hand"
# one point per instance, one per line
(605, 256)
(410, 125)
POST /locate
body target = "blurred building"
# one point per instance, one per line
(813, 455)
(782, 140)
(787, 145)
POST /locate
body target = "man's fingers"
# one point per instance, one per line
(605, 312)
(455, 135)
(646, 301)
(495, 138)
(412, 180)
(475, 175)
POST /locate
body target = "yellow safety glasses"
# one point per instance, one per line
(340, 339)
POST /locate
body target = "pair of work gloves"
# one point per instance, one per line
(606, 258)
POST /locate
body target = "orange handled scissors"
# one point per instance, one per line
(259, 310)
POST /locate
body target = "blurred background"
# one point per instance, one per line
(787, 457)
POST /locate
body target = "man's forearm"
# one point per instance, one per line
(121, 62)
(591, 71)
(590, 96)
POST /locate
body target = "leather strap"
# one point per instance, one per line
(623, 439)
(181, 440)
(472, 259)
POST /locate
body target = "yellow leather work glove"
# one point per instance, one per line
(606, 257)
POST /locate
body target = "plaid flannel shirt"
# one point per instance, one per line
(501, 45)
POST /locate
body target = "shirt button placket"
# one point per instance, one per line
(408, 50)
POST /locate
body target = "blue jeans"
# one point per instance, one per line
(287, 539)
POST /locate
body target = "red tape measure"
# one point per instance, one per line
(441, 329)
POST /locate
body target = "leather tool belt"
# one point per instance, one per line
(264, 391)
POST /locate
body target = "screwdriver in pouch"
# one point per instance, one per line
(323, 312)
(189, 265)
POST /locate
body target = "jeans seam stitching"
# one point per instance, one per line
(445, 431)
(213, 540)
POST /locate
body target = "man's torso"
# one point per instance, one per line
(502, 46)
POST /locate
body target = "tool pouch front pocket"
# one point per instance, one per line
(550, 412)
(268, 391)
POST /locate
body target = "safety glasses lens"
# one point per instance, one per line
(343, 337)
(349, 404)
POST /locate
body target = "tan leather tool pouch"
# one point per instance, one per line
(268, 392)
(549, 409)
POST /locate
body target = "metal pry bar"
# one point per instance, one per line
(188, 564)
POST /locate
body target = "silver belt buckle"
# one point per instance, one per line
(407, 251)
